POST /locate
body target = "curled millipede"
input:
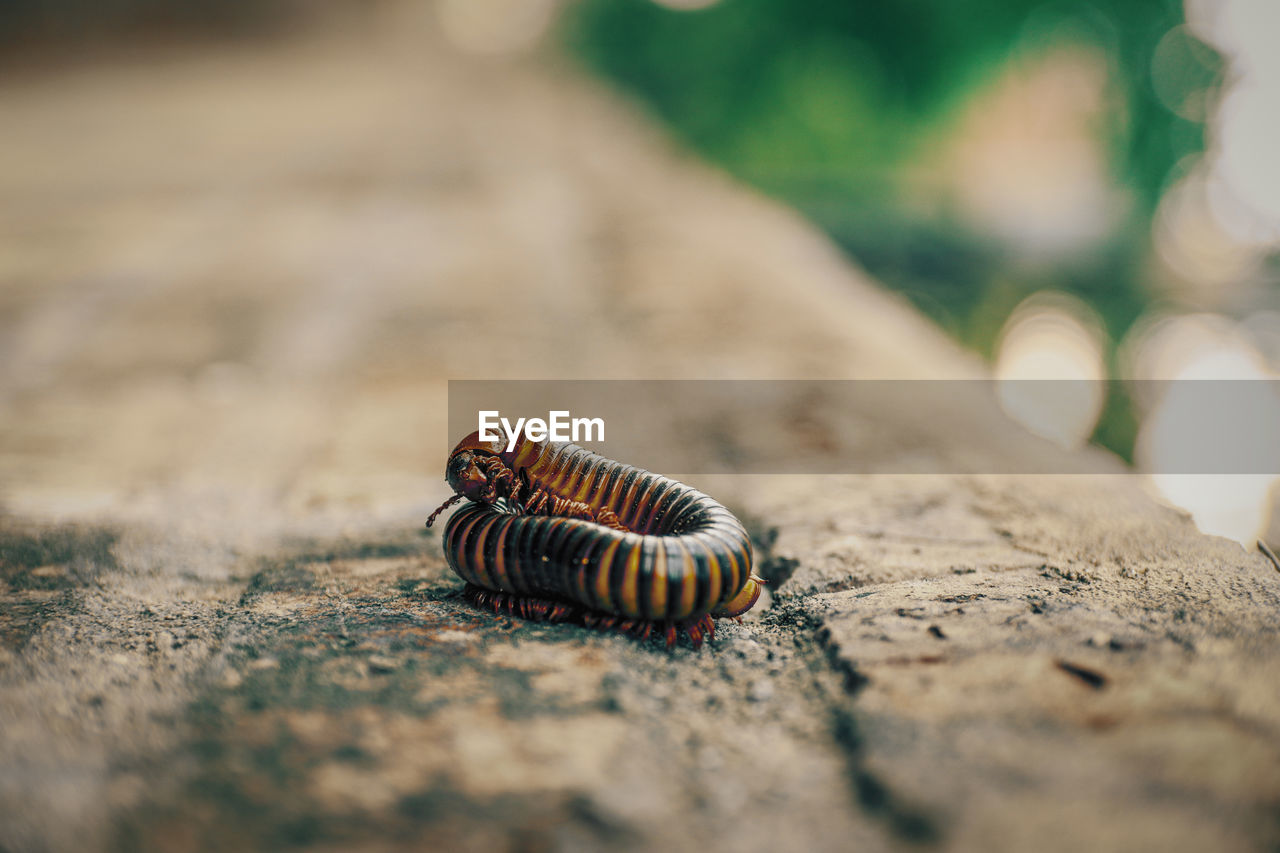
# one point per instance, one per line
(558, 533)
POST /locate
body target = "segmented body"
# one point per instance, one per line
(557, 531)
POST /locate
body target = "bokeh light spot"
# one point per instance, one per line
(1052, 336)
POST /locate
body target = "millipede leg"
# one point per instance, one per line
(702, 628)
(537, 609)
(695, 634)
(609, 518)
(544, 610)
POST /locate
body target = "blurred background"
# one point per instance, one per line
(1075, 190)
(1070, 189)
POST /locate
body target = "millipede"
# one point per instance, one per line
(558, 533)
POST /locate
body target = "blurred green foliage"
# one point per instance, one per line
(823, 104)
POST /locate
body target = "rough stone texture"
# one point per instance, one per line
(234, 285)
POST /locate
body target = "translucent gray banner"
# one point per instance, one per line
(885, 426)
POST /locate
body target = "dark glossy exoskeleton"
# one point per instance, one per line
(557, 532)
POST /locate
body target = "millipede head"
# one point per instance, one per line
(474, 468)
(466, 476)
(475, 471)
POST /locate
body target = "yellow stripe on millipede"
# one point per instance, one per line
(658, 587)
(460, 558)
(726, 550)
(586, 476)
(688, 587)
(715, 580)
(631, 585)
(527, 455)
(604, 601)
(480, 568)
(560, 473)
(580, 582)
(627, 503)
(499, 553)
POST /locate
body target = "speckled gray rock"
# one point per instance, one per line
(235, 284)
